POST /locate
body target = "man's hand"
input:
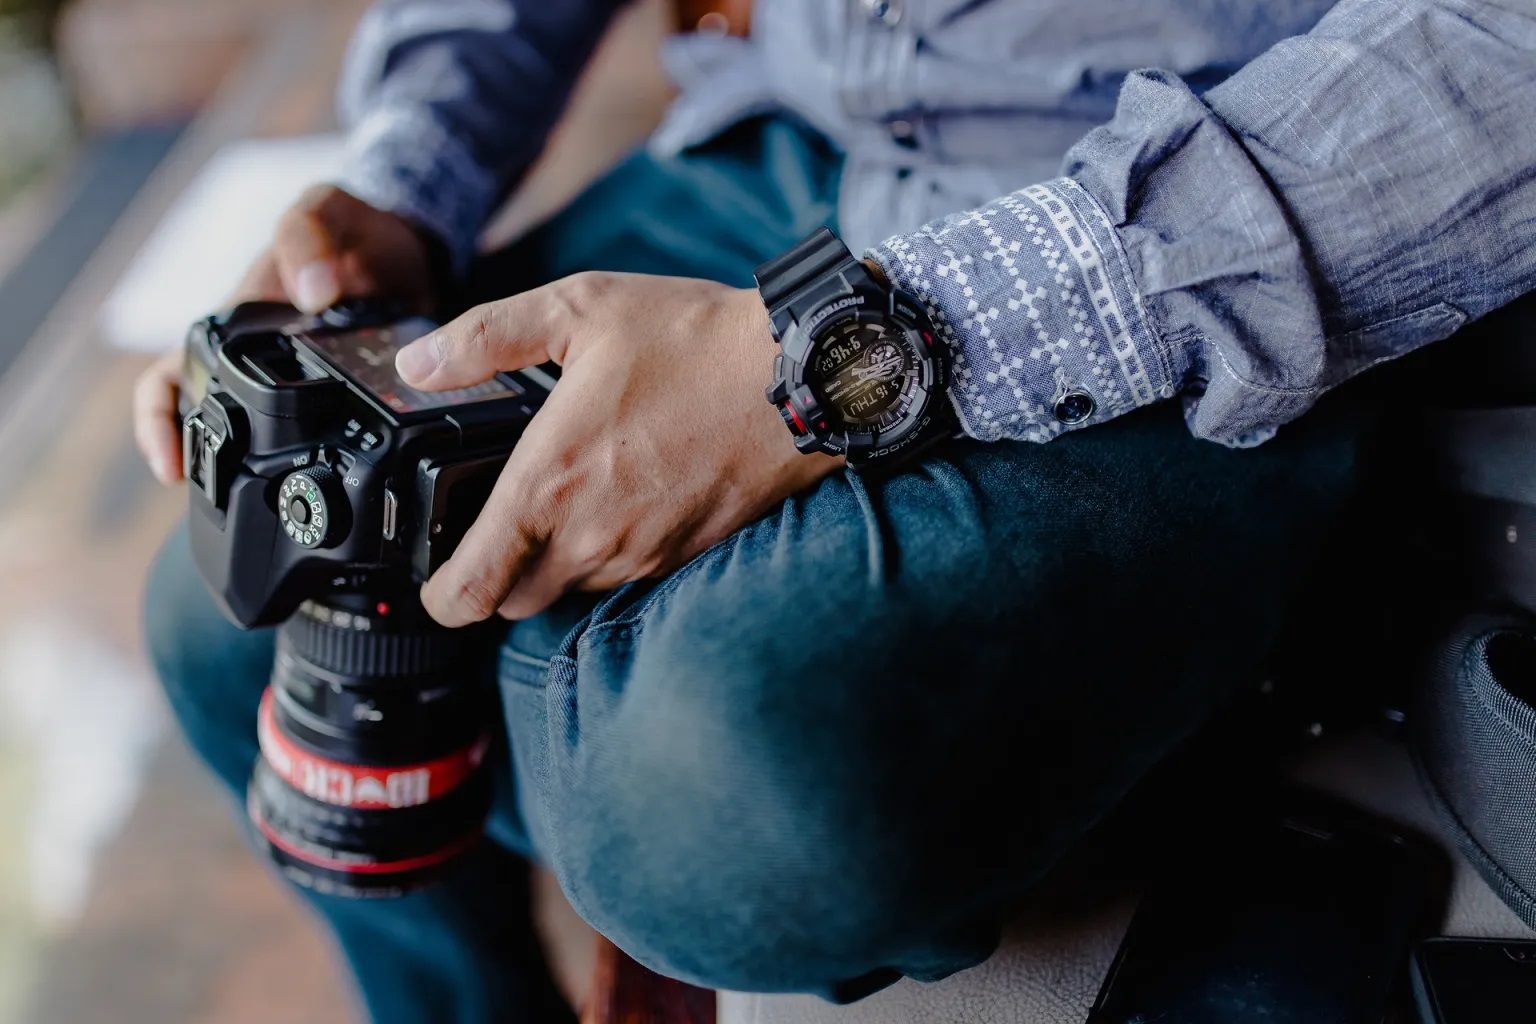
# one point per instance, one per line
(656, 444)
(329, 245)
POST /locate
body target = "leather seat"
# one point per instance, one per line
(1053, 960)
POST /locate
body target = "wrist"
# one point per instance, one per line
(407, 163)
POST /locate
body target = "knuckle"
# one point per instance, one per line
(597, 548)
(475, 595)
(589, 286)
(575, 307)
(573, 296)
(590, 551)
(472, 340)
(478, 343)
(546, 497)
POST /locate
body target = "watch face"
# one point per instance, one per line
(868, 372)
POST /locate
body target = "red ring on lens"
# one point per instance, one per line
(362, 786)
(352, 867)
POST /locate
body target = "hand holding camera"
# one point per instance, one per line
(328, 246)
(656, 445)
(373, 729)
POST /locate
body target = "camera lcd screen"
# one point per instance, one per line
(367, 357)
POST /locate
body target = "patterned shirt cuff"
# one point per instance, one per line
(406, 162)
(1035, 298)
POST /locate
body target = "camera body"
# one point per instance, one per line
(314, 469)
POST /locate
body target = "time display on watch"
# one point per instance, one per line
(867, 372)
(860, 373)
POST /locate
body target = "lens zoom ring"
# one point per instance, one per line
(374, 654)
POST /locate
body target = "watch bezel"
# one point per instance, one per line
(825, 432)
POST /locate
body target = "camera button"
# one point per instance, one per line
(347, 313)
(391, 513)
(352, 430)
(308, 505)
(370, 441)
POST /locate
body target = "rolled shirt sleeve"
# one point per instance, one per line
(447, 102)
(1350, 195)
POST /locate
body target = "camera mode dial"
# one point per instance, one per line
(309, 504)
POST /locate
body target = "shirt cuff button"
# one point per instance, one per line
(1073, 407)
(887, 12)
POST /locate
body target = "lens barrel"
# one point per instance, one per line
(371, 780)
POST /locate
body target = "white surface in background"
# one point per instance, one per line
(211, 236)
(87, 718)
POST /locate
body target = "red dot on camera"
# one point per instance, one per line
(382, 608)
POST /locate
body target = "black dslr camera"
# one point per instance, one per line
(323, 491)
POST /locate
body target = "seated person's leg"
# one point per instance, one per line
(213, 673)
(842, 741)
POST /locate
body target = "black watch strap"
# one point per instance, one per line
(798, 273)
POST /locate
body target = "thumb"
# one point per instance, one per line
(508, 334)
(309, 248)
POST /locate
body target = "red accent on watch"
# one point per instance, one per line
(364, 786)
(799, 424)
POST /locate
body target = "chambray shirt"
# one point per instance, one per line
(1236, 203)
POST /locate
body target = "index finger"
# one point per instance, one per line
(508, 334)
(497, 550)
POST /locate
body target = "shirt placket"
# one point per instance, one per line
(879, 69)
(879, 98)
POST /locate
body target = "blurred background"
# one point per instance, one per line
(146, 147)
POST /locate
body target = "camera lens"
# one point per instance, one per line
(371, 780)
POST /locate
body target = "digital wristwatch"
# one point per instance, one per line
(861, 371)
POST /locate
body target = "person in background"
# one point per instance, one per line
(777, 725)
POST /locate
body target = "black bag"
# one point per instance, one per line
(1470, 493)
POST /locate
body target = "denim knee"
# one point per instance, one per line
(852, 735)
(211, 671)
(726, 828)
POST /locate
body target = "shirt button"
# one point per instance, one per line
(1073, 407)
(903, 133)
(886, 12)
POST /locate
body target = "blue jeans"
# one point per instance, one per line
(838, 746)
